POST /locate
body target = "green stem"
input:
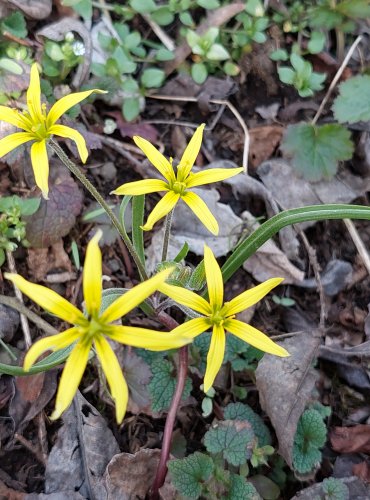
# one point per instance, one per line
(288, 218)
(166, 237)
(98, 197)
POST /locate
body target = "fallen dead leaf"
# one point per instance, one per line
(42, 260)
(362, 471)
(285, 386)
(36, 9)
(139, 473)
(263, 142)
(83, 448)
(32, 394)
(354, 439)
(128, 129)
(10, 494)
(57, 215)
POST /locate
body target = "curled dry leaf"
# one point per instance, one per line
(35, 9)
(57, 215)
(285, 387)
(129, 477)
(351, 439)
(83, 448)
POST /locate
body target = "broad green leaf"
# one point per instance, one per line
(241, 489)
(286, 75)
(254, 8)
(131, 108)
(353, 103)
(208, 4)
(279, 55)
(152, 78)
(317, 42)
(163, 16)
(189, 474)
(354, 8)
(54, 51)
(143, 6)
(232, 441)
(217, 53)
(164, 55)
(199, 73)
(15, 24)
(231, 68)
(11, 66)
(162, 386)
(316, 150)
(2, 257)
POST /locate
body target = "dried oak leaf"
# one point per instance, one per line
(57, 215)
(351, 439)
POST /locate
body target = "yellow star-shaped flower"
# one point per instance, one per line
(220, 316)
(38, 126)
(177, 184)
(94, 330)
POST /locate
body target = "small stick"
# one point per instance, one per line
(359, 244)
(161, 34)
(30, 447)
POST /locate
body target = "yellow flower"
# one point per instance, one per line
(220, 316)
(177, 184)
(39, 127)
(93, 330)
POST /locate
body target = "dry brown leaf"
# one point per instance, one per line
(42, 260)
(10, 494)
(36, 9)
(263, 143)
(32, 394)
(139, 473)
(285, 387)
(351, 439)
(362, 471)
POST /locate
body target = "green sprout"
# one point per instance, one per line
(301, 76)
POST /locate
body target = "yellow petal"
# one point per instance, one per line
(12, 116)
(191, 329)
(67, 102)
(215, 283)
(34, 96)
(156, 158)
(12, 141)
(92, 275)
(146, 339)
(200, 209)
(117, 383)
(254, 337)
(186, 298)
(70, 133)
(211, 175)
(47, 299)
(250, 297)
(134, 297)
(190, 154)
(215, 356)
(52, 343)
(40, 166)
(162, 208)
(141, 187)
(71, 377)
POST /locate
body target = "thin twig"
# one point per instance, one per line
(18, 293)
(22, 309)
(336, 79)
(359, 244)
(31, 448)
(161, 34)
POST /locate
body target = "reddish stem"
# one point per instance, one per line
(172, 412)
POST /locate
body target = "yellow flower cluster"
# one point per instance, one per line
(96, 329)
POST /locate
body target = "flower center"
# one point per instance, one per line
(217, 318)
(93, 329)
(179, 187)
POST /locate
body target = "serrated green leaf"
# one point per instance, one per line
(162, 386)
(240, 411)
(309, 438)
(231, 441)
(316, 150)
(188, 474)
(353, 103)
(335, 489)
(240, 489)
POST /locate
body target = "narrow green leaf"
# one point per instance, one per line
(287, 218)
(182, 253)
(138, 203)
